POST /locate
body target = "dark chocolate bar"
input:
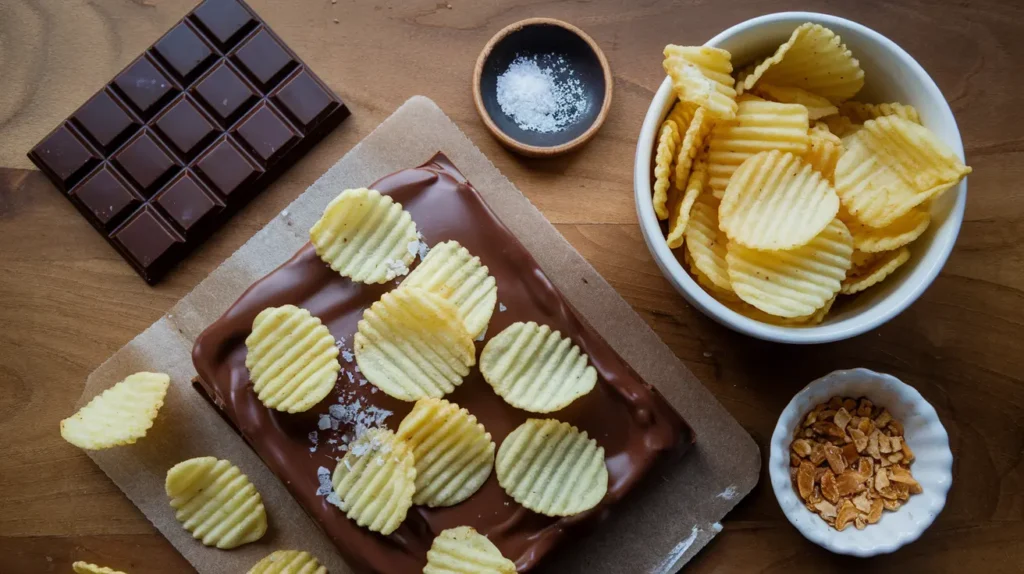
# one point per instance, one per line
(633, 423)
(187, 134)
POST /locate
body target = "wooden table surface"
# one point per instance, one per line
(67, 301)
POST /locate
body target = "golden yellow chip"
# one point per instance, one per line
(860, 112)
(893, 236)
(814, 59)
(453, 452)
(412, 344)
(365, 236)
(759, 126)
(817, 106)
(708, 285)
(214, 501)
(452, 272)
(536, 369)
(668, 143)
(871, 268)
(702, 76)
(86, 568)
(292, 359)
(288, 562)
(840, 126)
(681, 202)
(752, 312)
(376, 480)
(463, 550)
(119, 415)
(697, 131)
(706, 243)
(792, 283)
(552, 468)
(823, 151)
(681, 113)
(776, 200)
(890, 166)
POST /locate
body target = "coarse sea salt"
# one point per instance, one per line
(541, 93)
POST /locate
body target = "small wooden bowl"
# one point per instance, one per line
(538, 36)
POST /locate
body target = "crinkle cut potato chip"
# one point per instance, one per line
(697, 130)
(792, 283)
(681, 202)
(870, 268)
(214, 501)
(823, 151)
(412, 344)
(288, 562)
(119, 415)
(535, 368)
(87, 568)
(292, 359)
(759, 126)
(859, 112)
(706, 243)
(452, 272)
(552, 468)
(840, 126)
(817, 106)
(365, 236)
(892, 165)
(454, 454)
(708, 285)
(702, 75)
(813, 59)
(376, 480)
(774, 201)
(463, 550)
(668, 143)
(893, 236)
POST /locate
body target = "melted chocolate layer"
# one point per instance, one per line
(633, 423)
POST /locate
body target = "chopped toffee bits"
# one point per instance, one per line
(849, 462)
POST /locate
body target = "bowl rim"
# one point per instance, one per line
(938, 251)
(528, 149)
(778, 458)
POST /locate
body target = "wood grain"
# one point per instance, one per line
(67, 301)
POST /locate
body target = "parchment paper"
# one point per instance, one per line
(656, 529)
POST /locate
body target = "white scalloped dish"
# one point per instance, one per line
(924, 433)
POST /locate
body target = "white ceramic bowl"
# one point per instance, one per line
(924, 433)
(890, 75)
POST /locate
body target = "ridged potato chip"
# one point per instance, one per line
(452, 272)
(365, 236)
(681, 202)
(759, 126)
(454, 454)
(376, 480)
(87, 568)
(774, 201)
(871, 268)
(552, 468)
(859, 112)
(706, 243)
(214, 501)
(697, 129)
(702, 76)
(536, 369)
(463, 550)
(892, 165)
(840, 126)
(817, 106)
(412, 344)
(288, 562)
(668, 143)
(292, 359)
(792, 283)
(893, 236)
(707, 284)
(823, 151)
(119, 415)
(814, 59)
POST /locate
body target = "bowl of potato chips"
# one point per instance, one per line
(800, 178)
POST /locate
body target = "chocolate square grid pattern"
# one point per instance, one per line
(187, 134)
